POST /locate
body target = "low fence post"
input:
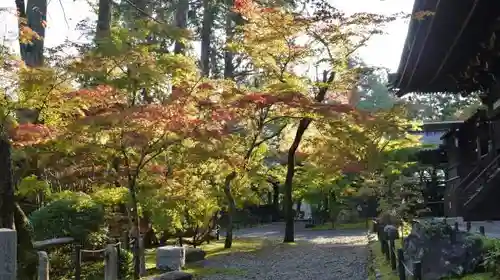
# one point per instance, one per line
(43, 266)
(401, 264)
(386, 247)
(481, 230)
(453, 236)
(417, 270)
(118, 258)
(78, 262)
(392, 249)
(110, 263)
(381, 240)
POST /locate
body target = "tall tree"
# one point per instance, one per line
(32, 21)
(206, 31)
(103, 29)
(181, 14)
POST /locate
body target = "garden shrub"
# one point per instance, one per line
(76, 217)
(491, 253)
(389, 217)
(126, 265)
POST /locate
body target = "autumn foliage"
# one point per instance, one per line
(136, 126)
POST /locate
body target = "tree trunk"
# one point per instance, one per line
(7, 201)
(103, 29)
(231, 209)
(289, 225)
(206, 30)
(333, 208)
(270, 198)
(303, 125)
(181, 22)
(135, 229)
(276, 202)
(299, 205)
(26, 255)
(36, 13)
(228, 55)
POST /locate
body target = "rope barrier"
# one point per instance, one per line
(100, 250)
(408, 271)
(93, 251)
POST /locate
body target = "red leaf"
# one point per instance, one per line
(30, 134)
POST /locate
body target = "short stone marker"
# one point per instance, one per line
(170, 258)
(111, 263)
(194, 255)
(43, 265)
(174, 275)
(8, 254)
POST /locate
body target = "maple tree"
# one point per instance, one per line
(145, 133)
(271, 37)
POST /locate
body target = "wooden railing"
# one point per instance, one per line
(474, 173)
(474, 186)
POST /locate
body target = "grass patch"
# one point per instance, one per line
(240, 245)
(199, 271)
(214, 249)
(378, 262)
(328, 226)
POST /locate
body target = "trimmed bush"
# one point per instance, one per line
(75, 217)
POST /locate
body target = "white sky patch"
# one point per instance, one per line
(64, 15)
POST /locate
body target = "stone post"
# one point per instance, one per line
(43, 266)
(8, 254)
(111, 263)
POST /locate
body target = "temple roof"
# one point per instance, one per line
(449, 50)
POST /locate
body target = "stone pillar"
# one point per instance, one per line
(43, 266)
(111, 263)
(8, 254)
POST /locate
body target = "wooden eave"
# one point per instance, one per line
(432, 156)
(480, 114)
(440, 47)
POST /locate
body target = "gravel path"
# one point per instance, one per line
(317, 255)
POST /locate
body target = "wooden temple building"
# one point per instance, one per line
(453, 47)
(432, 177)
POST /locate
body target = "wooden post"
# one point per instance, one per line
(392, 250)
(401, 264)
(481, 230)
(381, 240)
(417, 270)
(386, 247)
(468, 226)
(453, 236)
(78, 261)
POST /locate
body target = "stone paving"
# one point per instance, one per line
(317, 255)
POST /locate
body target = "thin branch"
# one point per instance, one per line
(278, 132)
